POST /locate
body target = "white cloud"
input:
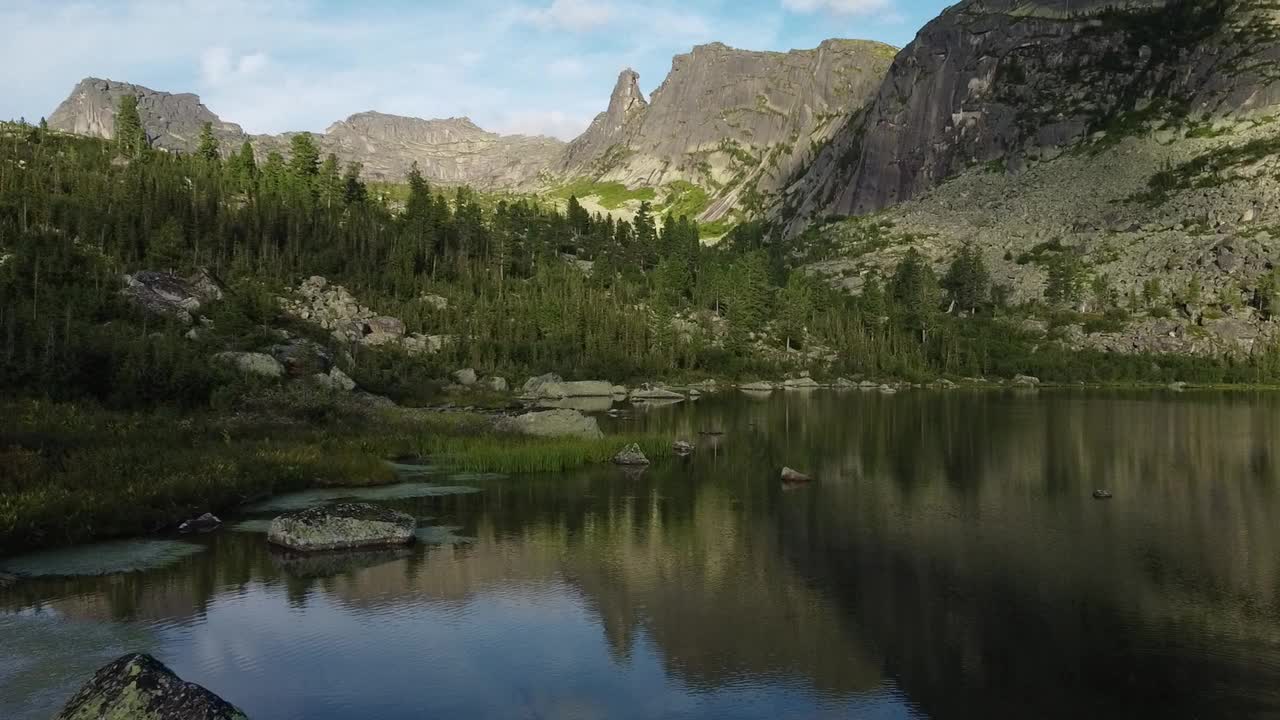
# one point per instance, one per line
(553, 123)
(219, 66)
(837, 7)
(575, 15)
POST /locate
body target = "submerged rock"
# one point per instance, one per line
(345, 525)
(553, 423)
(650, 394)
(682, 447)
(139, 687)
(207, 522)
(794, 476)
(630, 455)
(1102, 495)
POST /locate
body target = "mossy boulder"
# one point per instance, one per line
(341, 526)
(139, 687)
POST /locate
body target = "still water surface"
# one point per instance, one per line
(948, 562)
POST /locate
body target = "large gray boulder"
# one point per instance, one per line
(533, 386)
(341, 526)
(251, 363)
(301, 357)
(139, 687)
(553, 423)
(574, 389)
(465, 377)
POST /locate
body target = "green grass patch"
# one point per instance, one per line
(507, 454)
(684, 199)
(610, 195)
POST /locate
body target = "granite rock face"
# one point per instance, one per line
(447, 151)
(172, 121)
(736, 123)
(139, 687)
(1006, 82)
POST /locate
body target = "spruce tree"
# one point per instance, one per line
(304, 157)
(208, 149)
(967, 280)
(130, 138)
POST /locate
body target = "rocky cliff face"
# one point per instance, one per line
(1013, 81)
(735, 123)
(172, 122)
(452, 151)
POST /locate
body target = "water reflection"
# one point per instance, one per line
(948, 561)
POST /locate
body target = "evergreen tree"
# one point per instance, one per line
(967, 282)
(130, 138)
(243, 168)
(916, 293)
(797, 307)
(208, 148)
(304, 158)
(1065, 279)
(330, 187)
(354, 189)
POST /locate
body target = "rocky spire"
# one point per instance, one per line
(609, 127)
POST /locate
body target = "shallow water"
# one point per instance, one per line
(948, 561)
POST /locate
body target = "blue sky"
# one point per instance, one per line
(537, 67)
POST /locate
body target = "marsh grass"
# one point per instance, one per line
(506, 454)
(71, 473)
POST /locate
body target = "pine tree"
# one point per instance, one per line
(243, 167)
(209, 149)
(797, 307)
(129, 135)
(1065, 279)
(967, 280)
(304, 157)
(915, 293)
(354, 189)
(330, 187)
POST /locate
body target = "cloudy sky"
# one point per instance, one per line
(537, 66)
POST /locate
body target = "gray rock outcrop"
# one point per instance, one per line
(1004, 82)
(553, 423)
(341, 526)
(735, 123)
(139, 687)
(168, 295)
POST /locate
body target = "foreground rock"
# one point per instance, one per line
(341, 526)
(553, 423)
(546, 388)
(794, 476)
(252, 363)
(630, 455)
(207, 522)
(139, 687)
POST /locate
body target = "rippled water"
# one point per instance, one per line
(948, 562)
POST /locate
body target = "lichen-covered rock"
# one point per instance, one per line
(345, 525)
(630, 455)
(804, 383)
(553, 423)
(252, 363)
(682, 448)
(208, 522)
(759, 386)
(139, 687)
(574, 389)
(465, 377)
(335, 379)
(302, 357)
(496, 384)
(1026, 380)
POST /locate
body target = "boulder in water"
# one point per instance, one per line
(655, 394)
(759, 386)
(1026, 380)
(139, 687)
(1102, 495)
(630, 455)
(682, 447)
(794, 476)
(341, 526)
(207, 522)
